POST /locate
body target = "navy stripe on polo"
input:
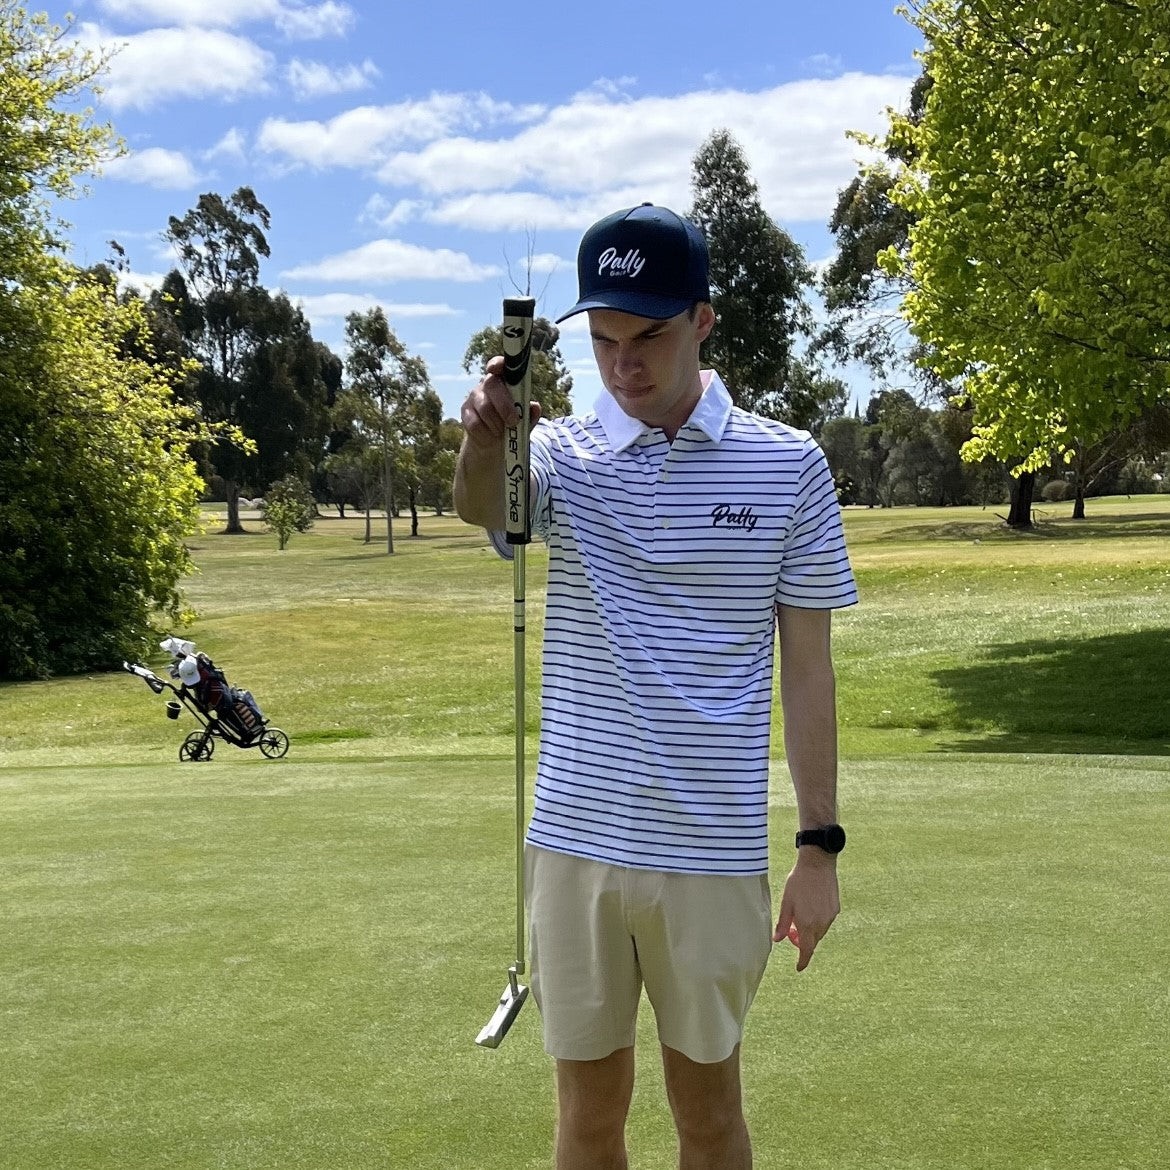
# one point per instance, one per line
(666, 563)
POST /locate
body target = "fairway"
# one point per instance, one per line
(268, 964)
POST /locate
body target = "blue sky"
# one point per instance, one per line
(408, 153)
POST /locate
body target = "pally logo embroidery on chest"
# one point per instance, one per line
(723, 515)
(631, 264)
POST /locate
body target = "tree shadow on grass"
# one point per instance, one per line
(1106, 695)
(1142, 524)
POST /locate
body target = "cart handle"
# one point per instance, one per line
(151, 679)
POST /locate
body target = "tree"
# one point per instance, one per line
(440, 474)
(332, 372)
(552, 383)
(97, 489)
(814, 397)
(1040, 194)
(1092, 465)
(44, 147)
(283, 399)
(385, 383)
(419, 435)
(758, 277)
(354, 473)
(288, 508)
(863, 299)
(219, 243)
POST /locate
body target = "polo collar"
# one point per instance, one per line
(710, 415)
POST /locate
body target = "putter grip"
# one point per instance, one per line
(517, 338)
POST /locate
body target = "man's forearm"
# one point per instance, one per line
(808, 694)
(810, 744)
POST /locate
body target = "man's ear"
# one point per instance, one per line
(704, 320)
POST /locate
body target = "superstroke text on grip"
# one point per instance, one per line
(517, 345)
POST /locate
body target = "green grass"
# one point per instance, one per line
(253, 964)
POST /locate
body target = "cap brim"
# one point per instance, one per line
(638, 304)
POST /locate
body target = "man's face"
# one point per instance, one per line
(651, 367)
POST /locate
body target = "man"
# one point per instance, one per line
(682, 533)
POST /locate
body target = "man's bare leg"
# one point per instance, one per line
(593, 1101)
(707, 1103)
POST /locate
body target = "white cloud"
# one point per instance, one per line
(576, 325)
(231, 145)
(316, 21)
(610, 86)
(379, 210)
(153, 66)
(820, 266)
(143, 282)
(308, 22)
(564, 166)
(546, 262)
(386, 261)
(222, 13)
(530, 210)
(793, 136)
(825, 64)
(310, 79)
(165, 169)
(336, 306)
(364, 135)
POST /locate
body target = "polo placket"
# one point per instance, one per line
(653, 451)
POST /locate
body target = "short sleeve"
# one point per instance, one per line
(815, 571)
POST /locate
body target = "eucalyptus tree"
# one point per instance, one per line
(759, 278)
(219, 243)
(385, 385)
(551, 382)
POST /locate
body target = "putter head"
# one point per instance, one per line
(507, 1010)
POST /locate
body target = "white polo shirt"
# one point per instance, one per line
(666, 562)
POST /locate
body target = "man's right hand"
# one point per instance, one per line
(489, 410)
(487, 413)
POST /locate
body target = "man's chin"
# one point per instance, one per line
(628, 399)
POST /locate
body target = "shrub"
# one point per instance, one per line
(287, 508)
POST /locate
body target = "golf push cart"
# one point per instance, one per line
(223, 711)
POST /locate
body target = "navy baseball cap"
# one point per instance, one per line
(644, 260)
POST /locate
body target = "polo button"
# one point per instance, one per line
(664, 523)
(666, 477)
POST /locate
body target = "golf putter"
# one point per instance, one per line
(517, 334)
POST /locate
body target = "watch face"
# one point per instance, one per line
(834, 838)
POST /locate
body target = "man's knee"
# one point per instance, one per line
(593, 1096)
(706, 1100)
(709, 1125)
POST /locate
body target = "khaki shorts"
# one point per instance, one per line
(599, 932)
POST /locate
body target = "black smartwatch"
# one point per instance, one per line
(830, 838)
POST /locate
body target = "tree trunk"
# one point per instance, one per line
(369, 535)
(232, 490)
(1020, 515)
(413, 514)
(387, 502)
(1079, 502)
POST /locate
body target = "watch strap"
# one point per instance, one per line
(830, 838)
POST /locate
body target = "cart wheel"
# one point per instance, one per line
(274, 743)
(195, 747)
